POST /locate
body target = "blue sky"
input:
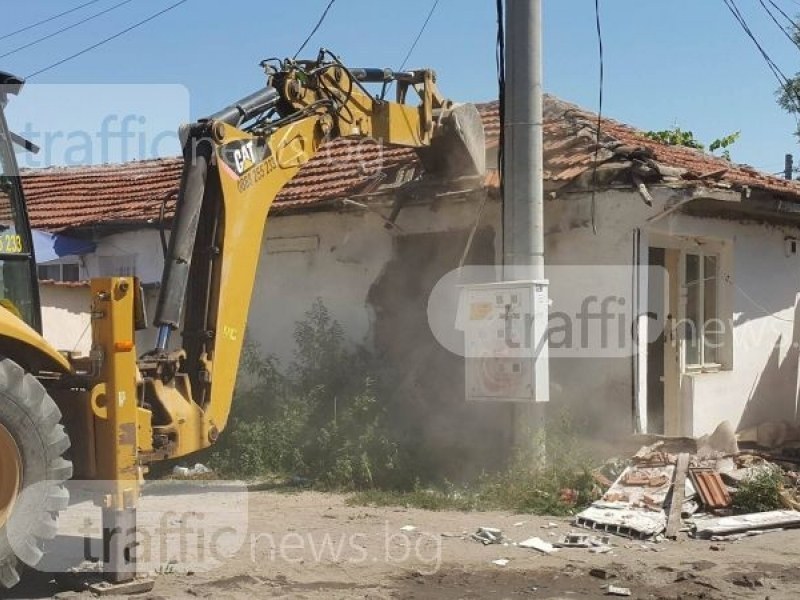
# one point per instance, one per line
(667, 62)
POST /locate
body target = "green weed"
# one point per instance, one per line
(760, 492)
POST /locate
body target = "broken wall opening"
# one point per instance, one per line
(453, 438)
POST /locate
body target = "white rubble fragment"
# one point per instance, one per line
(501, 562)
(197, 469)
(539, 544)
(613, 590)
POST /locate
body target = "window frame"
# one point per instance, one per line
(60, 265)
(702, 253)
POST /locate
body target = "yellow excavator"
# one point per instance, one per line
(105, 417)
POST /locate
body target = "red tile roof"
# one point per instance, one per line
(570, 142)
(132, 193)
(61, 198)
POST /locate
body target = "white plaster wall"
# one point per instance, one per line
(763, 382)
(337, 256)
(353, 249)
(764, 285)
(144, 244)
(65, 317)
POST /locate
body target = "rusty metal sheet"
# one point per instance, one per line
(709, 485)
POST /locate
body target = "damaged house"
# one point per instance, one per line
(709, 253)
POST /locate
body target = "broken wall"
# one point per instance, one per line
(375, 282)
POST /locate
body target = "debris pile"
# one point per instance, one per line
(713, 491)
(710, 489)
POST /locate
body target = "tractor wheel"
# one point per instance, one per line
(32, 470)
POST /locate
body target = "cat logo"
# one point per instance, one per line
(244, 157)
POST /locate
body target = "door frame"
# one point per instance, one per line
(674, 416)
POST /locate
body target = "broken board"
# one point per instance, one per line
(741, 523)
(621, 519)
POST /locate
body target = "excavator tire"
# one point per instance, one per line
(32, 470)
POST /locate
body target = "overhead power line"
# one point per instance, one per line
(778, 23)
(781, 77)
(316, 28)
(48, 19)
(67, 28)
(411, 48)
(501, 100)
(419, 35)
(785, 16)
(108, 39)
(601, 86)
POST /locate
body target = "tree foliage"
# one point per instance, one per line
(678, 137)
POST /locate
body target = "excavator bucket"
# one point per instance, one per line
(458, 148)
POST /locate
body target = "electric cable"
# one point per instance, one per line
(315, 29)
(501, 102)
(772, 16)
(108, 39)
(48, 19)
(419, 35)
(785, 16)
(388, 86)
(599, 114)
(784, 82)
(67, 28)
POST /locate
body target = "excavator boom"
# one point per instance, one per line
(235, 164)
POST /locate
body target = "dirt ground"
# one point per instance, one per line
(312, 545)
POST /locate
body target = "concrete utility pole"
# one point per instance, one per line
(523, 240)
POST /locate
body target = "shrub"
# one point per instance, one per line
(321, 419)
(760, 492)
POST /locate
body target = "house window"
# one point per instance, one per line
(704, 331)
(59, 272)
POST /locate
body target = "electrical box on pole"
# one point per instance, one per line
(505, 334)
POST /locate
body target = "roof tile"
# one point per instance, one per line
(69, 197)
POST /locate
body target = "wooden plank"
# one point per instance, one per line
(678, 496)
